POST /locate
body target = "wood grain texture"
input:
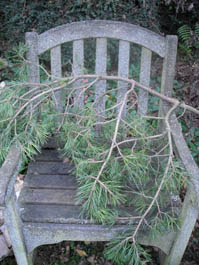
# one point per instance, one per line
(100, 69)
(145, 73)
(32, 57)
(78, 68)
(51, 181)
(8, 173)
(48, 196)
(52, 214)
(51, 168)
(101, 29)
(123, 70)
(56, 72)
(49, 155)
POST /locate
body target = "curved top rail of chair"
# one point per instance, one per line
(101, 29)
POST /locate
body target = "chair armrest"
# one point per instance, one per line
(8, 173)
(186, 157)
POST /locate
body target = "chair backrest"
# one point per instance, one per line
(165, 47)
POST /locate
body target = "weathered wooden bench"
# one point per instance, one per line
(45, 212)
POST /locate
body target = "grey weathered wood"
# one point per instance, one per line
(50, 168)
(168, 73)
(52, 143)
(186, 157)
(48, 196)
(56, 72)
(123, 70)
(102, 29)
(8, 173)
(14, 224)
(48, 155)
(40, 234)
(145, 72)
(100, 69)
(62, 214)
(190, 208)
(78, 66)
(50, 181)
(188, 219)
(33, 59)
(51, 196)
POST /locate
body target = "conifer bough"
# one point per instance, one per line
(120, 163)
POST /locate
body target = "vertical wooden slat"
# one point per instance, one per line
(145, 72)
(100, 68)
(123, 71)
(78, 65)
(33, 59)
(33, 62)
(168, 73)
(169, 63)
(56, 72)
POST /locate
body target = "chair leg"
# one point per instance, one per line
(14, 225)
(188, 219)
(162, 257)
(32, 256)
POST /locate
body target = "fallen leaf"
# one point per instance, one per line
(81, 253)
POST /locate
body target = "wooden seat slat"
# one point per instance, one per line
(48, 155)
(52, 214)
(51, 168)
(50, 181)
(50, 144)
(70, 214)
(48, 196)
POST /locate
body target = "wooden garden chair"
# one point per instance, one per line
(46, 213)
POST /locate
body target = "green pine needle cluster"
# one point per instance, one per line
(134, 169)
(119, 163)
(121, 186)
(25, 126)
(122, 251)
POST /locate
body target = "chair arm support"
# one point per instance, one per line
(8, 173)
(186, 158)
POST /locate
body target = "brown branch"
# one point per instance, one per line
(165, 172)
(114, 138)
